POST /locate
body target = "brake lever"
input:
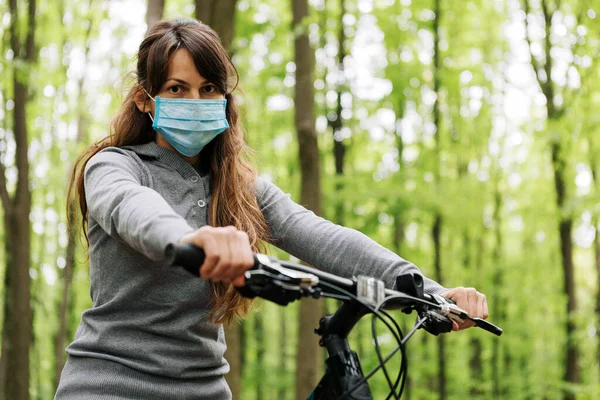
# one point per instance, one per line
(269, 280)
(451, 310)
(262, 283)
(302, 279)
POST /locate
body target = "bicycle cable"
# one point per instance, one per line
(418, 324)
(379, 314)
(393, 386)
(402, 373)
(404, 365)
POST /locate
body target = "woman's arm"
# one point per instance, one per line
(126, 209)
(340, 250)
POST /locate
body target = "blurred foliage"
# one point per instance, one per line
(494, 145)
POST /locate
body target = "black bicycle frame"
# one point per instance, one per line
(343, 369)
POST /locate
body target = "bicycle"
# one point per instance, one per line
(283, 282)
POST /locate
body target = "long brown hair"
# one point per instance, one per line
(232, 179)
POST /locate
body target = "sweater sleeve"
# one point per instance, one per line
(333, 248)
(127, 210)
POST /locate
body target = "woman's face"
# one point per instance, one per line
(183, 82)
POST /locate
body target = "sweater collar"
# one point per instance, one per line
(165, 156)
(150, 149)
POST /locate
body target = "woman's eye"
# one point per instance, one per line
(209, 89)
(174, 89)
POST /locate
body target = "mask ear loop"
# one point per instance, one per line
(149, 114)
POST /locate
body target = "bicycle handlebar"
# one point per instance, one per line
(282, 282)
(191, 257)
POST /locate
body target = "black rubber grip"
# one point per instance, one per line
(487, 326)
(187, 256)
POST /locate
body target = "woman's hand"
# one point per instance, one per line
(227, 250)
(470, 300)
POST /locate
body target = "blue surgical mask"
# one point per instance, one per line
(189, 125)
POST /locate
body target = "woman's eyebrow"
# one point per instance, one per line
(203, 82)
(178, 81)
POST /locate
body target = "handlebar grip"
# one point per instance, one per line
(188, 256)
(487, 326)
(479, 322)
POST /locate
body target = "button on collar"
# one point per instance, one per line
(195, 179)
(201, 203)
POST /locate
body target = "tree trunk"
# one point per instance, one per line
(436, 231)
(566, 250)
(6, 308)
(475, 362)
(243, 342)
(519, 363)
(597, 259)
(596, 224)
(234, 350)
(308, 354)
(475, 365)
(65, 307)
(339, 148)
(259, 334)
(220, 16)
(38, 294)
(7, 206)
(154, 12)
(436, 234)
(20, 308)
(399, 230)
(496, 300)
(309, 357)
(565, 225)
(17, 300)
(565, 228)
(67, 278)
(282, 392)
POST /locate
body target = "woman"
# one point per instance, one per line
(173, 171)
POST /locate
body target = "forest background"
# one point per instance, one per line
(462, 134)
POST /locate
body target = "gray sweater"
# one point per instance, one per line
(147, 335)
